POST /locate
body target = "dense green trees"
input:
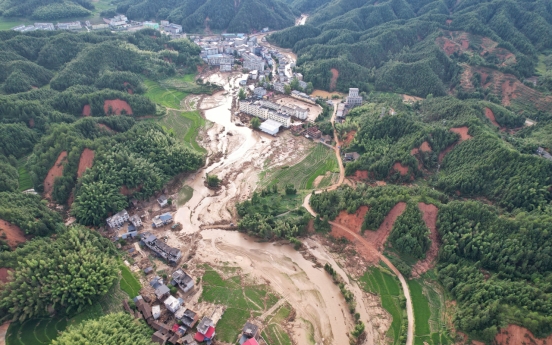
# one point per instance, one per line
(112, 329)
(410, 235)
(46, 9)
(9, 178)
(393, 42)
(64, 275)
(194, 16)
(29, 213)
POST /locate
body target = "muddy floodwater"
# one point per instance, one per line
(237, 155)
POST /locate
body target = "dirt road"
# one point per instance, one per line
(367, 245)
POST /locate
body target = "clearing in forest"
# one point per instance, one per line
(303, 174)
(352, 221)
(429, 215)
(11, 233)
(379, 281)
(116, 107)
(169, 98)
(378, 238)
(55, 171)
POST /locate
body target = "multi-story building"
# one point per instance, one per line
(172, 255)
(295, 111)
(172, 28)
(256, 109)
(220, 59)
(118, 219)
(354, 99)
(253, 62)
(44, 26)
(118, 20)
(151, 25)
(279, 87)
(226, 68)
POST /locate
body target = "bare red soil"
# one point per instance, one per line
(352, 221)
(86, 111)
(4, 274)
(361, 175)
(126, 191)
(333, 82)
(55, 171)
(463, 131)
(378, 238)
(490, 115)
(117, 105)
(368, 252)
(448, 21)
(447, 45)
(14, 235)
(349, 138)
(425, 147)
(515, 334)
(508, 89)
(86, 161)
(130, 91)
(414, 151)
(31, 123)
(401, 169)
(429, 215)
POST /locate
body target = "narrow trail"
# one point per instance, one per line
(369, 246)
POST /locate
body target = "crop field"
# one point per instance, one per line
(161, 95)
(129, 283)
(185, 126)
(42, 331)
(273, 332)
(428, 313)
(302, 175)
(241, 301)
(24, 177)
(384, 284)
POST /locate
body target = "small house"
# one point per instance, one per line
(250, 331)
(188, 340)
(188, 318)
(162, 201)
(162, 292)
(148, 270)
(352, 156)
(159, 338)
(161, 220)
(144, 308)
(173, 304)
(205, 330)
(182, 280)
(156, 282)
(135, 220)
(156, 312)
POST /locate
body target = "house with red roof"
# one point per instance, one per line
(205, 330)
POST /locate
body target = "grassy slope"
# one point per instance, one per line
(24, 177)
(185, 126)
(163, 96)
(129, 283)
(302, 175)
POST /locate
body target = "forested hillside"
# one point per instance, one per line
(424, 47)
(50, 81)
(46, 9)
(213, 15)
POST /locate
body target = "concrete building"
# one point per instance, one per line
(118, 20)
(256, 109)
(173, 304)
(151, 25)
(100, 27)
(354, 99)
(259, 92)
(182, 280)
(279, 87)
(220, 59)
(295, 111)
(172, 28)
(172, 255)
(118, 219)
(69, 26)
(44, 26)
(253, 62)
(226, 68)
(270, 127)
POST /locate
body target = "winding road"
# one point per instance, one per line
(369, 246)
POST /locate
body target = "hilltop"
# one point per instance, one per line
(426, 47)
(46, 9)
(211, 15)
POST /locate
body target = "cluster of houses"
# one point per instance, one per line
(118, 23)
(272, 114)
(180, 331)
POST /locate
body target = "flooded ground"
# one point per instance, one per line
(237, 155)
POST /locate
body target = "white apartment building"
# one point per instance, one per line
(295, 111)
(220, 59)
(253, 62)
(354, 99)
(255, 109)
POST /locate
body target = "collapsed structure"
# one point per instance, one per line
(163, 250)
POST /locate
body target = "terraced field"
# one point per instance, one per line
(185, 126)
(379, 281)
(24, 177)
(302, 175)
(429, 311)
(169, 98)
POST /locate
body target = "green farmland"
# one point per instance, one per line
(185, 126)
(428, 314)
(379, 281)
(273, 332)
(169, 98)
(24, 177)
(129, 283)
(242, 301)
(302, 175)
(43, 331)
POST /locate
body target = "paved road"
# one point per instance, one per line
(363, 241)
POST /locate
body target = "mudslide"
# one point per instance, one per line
(370, 248)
